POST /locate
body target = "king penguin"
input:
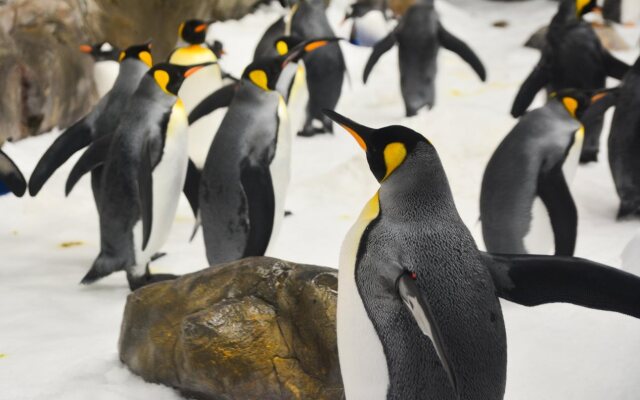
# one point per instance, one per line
(538, 159)
(99, 124)
(573, 58)
(105, 66)
(11, 179)
(144, 170)
(192, 49)
(246, 175)
(418, 315)
(419, 35)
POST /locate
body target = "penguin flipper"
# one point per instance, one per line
(600, 104)
(556, 196)
(218, 99)
(614, 67)
(11, 176)
(191, 187)
(145, 191)
(532, 280)
(452, 43)
(258, 187)
(538, 78)
(378, 50)
(91, 159)
(420, 309)
(76, 137)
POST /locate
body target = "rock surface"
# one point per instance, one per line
(258, 328)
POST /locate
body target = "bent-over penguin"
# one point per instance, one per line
(418, 315)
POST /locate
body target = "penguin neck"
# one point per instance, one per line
(418, 184)
(566, 14)
(149, 89)
(558, 108)
(131, 72)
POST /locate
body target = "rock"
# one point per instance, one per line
(258, 328)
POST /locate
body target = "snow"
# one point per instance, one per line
(58, 339)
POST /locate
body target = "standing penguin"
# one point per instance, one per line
(420, 35)
(246, 175)
(144, 170)
(573, 57)
(538, 158)
(325, 68)
(11, 179)
(100, 123)
(624, 140)
(105, 66)
(418, 317)
(194, 50)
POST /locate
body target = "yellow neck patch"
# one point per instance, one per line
(162, 79)
(146, 58)
(122, 56)
(571, 105)
(282, 47)
(180, 30)
(580, 5)
(394, 155)
(260, 79)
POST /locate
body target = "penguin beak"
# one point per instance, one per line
(201, 27)
(85, 48)
(307, 47)
(360, 133)
(195, 68)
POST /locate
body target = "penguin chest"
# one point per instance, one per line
(362, 361)
(298, 100)
(168, 180)
(104, 75)
(280, 168)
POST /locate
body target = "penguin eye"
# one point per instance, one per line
(394, 155)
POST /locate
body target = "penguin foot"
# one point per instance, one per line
(589, 155)
(147, 279)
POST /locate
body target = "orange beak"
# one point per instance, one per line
(192, 71)
(201, 28)
(85, 48)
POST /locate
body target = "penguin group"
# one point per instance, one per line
(418, 309)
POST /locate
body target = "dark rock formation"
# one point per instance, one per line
(258, 328)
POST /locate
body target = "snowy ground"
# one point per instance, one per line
(58, 340)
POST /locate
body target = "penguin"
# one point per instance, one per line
(538, 159)
(105, 66)
(100, 123)
(370, 24)
(246, 174)
(192, 49)
(624, 140)
(11, 179)
(325, 68)
(419, 35)
(144, 168)
(418, 314)
(573, 58)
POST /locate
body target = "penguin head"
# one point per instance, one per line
(140, 52)
(171, 76)
(576, 102)
(585, 6)
(285, 44)
(194, 31)
(103, 51)
(265, 72)
(386, 148)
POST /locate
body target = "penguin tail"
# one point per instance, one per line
(102, 266)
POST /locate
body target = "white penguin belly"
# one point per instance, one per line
(630, 11)
(540, 238)
(168, 180)
(280, 170)
(370, 28)
(298, 100)
(104, 75)
(362, 361)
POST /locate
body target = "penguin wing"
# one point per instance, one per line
(91, 159)
(614, 67)
(532, 280)
(218, 99)
(452, 43)
(378, 50)
(76, 137)
(421, 311)
(258, 188)
(152, 151)
(11, 176)
(191, 187)
(556, 196)
(538, 78)
(601, 103)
